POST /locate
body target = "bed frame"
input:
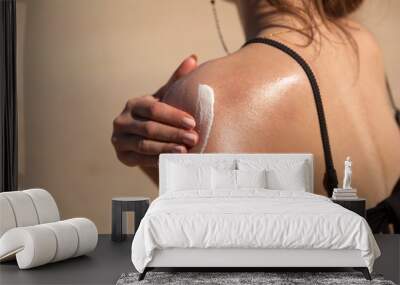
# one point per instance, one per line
(248, 259)
(260, 259)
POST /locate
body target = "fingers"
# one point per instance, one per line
(154, 131)
(187, 66)
(148, 127)
(140, 145)
(163, 113)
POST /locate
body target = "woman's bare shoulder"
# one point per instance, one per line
(250, 93)
(235, 77)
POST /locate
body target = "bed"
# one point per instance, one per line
(247, 211)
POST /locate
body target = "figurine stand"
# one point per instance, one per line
(344, 194)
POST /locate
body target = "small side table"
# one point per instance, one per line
(356, 205)
(138, 205)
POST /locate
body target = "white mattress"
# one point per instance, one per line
(251, 218)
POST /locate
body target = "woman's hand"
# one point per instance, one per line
(148, 127)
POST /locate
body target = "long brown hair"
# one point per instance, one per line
(329, 12)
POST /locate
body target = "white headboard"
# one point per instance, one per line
(215, 158)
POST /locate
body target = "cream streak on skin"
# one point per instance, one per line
(202, 110)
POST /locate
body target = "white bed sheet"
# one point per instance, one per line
(251, 218)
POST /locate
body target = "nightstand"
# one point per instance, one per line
(121, 205)
(356, 205)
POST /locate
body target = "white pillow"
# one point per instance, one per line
(293, 178)
(183, 177)
(223, 179)
(251, 178)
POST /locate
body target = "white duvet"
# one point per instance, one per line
(250, 218)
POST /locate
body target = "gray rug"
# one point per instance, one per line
(268, 278)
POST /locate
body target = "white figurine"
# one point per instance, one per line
(347, 174)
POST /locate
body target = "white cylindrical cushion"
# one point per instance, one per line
(45, 205)
(87, 234)
(7, 218)
(67, 240)
(45, 243)
(38, 244)
(23, 207)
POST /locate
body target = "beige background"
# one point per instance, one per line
(80, 60)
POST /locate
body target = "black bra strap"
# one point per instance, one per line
(330, 177)
(396, 110)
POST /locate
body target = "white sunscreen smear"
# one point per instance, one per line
(200, 106)
(204, 116)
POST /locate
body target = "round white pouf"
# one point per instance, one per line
(67, 240)
(87, 233)
(36, 245)
(23, 208)
(7, 218)
(45, 205)
(45, 243)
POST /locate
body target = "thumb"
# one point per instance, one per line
(187, 66)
